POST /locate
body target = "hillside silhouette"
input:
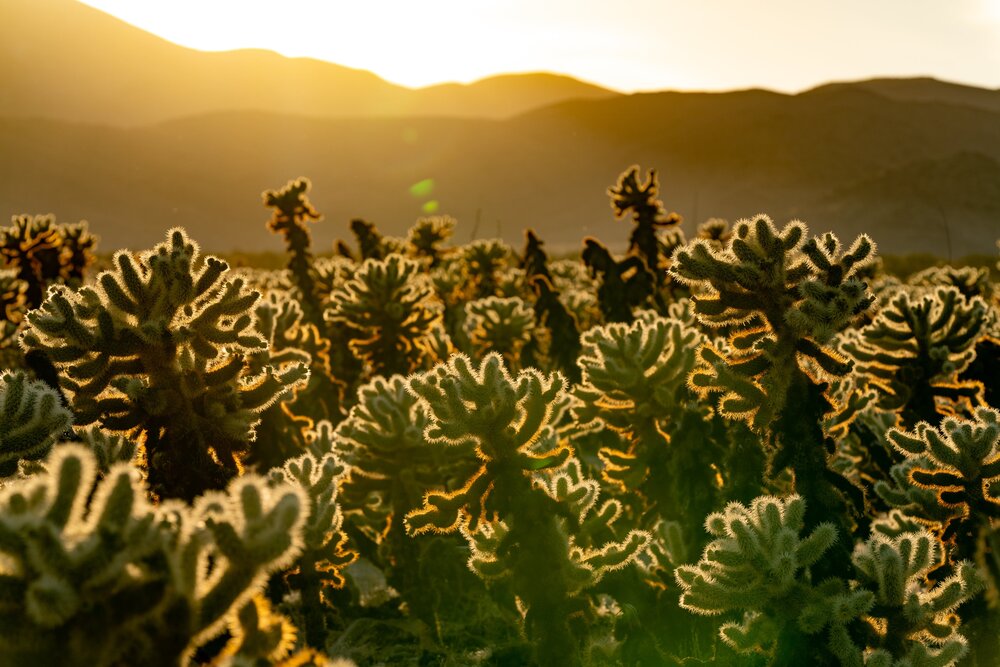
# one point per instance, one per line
(137, 134)
(64, 60)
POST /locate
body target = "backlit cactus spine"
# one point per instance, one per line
(97, 576)
(32, 419)
(389, 307)
(158, 348)
(292, 212)
(635, 384)
(916, 348)
(783, 298)
(508, 422)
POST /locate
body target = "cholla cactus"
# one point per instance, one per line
(889, 615)
(107, 448)
(45, 253)
(291, 340)
(372, 244)
(484, 261)
(784, 298)
(968, 280)
(13, 305)
(427, 236)
(897, 490)
(535, 261)
(260, 637)
(916, 348)
(761, 564)
(625, 285)
(629, 196)
(96, 576)
(556, 344)
(324, 546)
(959, 463)
(390, 307)
(500, 417)
(382, 440)
(32, 418)
(911, 623)
(292, 212)
(716, 232)
(499, 325)
(391, 467)
(635, 383)
(158, 349)
(950, 480)
(508, 422)
(78, 251)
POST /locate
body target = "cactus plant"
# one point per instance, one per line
(158, 348)
(625, 285)
(509, 423)
(100, 577)
(917, 346)
(484, 261)
(499, 325)
(629, 196)
(635, 383)
(32, 419)
(324, 551)
(427, 237)
(783, 297)
(292, 210)
(389, 306)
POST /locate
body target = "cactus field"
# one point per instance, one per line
(747, 444)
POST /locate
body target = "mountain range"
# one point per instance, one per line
(102, 121)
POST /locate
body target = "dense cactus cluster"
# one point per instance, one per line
(753, 448)
(158, 348)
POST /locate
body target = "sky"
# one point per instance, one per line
(628, 45)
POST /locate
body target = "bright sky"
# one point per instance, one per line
(785, 45)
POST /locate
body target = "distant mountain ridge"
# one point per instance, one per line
(925, 89)
(65, 60)
(917, 176)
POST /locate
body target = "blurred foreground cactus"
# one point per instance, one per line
(32, 419)
(158, 348)
(324, 551)
(97, 576)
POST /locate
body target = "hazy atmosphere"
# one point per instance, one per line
(785, 45)
(499, 333)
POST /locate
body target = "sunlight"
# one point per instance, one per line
(628, 46)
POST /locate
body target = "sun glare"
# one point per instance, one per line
(425, 42)
(632, 45)
(991, 9)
